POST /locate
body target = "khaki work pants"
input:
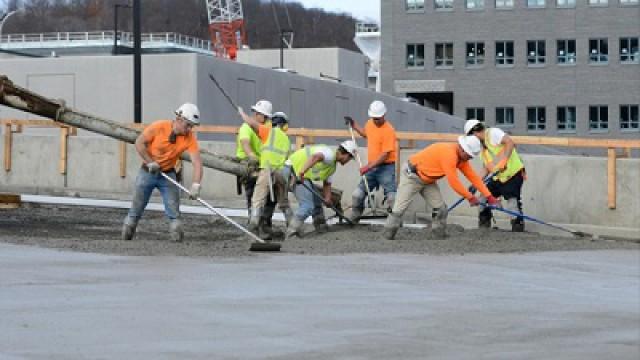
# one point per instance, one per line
(410, 185)
(261, 191)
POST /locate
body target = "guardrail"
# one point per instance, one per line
(307, 136)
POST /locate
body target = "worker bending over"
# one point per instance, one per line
(160, 145)
(272, 179)
(499, 156)
(315, 163)
(424, 169)
(380, 169)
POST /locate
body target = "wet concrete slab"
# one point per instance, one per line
(552, 305)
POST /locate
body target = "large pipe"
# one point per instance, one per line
(22, 99)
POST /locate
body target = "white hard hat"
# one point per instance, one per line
(279, 118)
(377, 109)
(263, 107)
(470, 124)
(470, 145)
(189, 112)
(350, 147)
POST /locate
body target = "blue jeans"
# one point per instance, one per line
(308, 204)
(383, 175)
(145, 183)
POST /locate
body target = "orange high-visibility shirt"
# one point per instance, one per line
(441, 159)
(381, 140)
(161, 150)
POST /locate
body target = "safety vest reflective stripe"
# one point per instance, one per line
(275, 151)
(514, 163)
(320, 171)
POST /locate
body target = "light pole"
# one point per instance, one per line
(4, 18)
(115, 25)
(283, 33)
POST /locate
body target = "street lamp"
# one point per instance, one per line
(5, 17)
(115, 25)
(283, 34)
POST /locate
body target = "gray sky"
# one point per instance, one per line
(360, 9)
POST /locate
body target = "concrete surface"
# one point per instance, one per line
(574, 305)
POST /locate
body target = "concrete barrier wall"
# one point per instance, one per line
(560, 189)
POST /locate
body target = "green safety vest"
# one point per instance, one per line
(514, 164)
(320, 171)
(275, 151)
(254, 141)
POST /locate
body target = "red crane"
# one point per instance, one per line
(226, 26)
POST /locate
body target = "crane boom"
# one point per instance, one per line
(226, 27)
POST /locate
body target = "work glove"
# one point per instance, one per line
(491, 200)
(153, 167)
(365, 169)
(194, 191)
(473, 201)
(348, 121)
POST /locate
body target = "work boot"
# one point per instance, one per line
(439, 230)
(517, 225)
(288, 215)
(356, 214)
(175, 231)
(128, 228)
(391, 226)
(320, 224)
(295, 228)
(266, 231)
(484, 219)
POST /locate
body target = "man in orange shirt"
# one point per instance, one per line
(160, 145)
(425, 168)
(381, 156)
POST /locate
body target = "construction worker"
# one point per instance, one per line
(271, 180)
(160, 145)
(424, 169)
(499, 156)
(249, 147)
(380, 169)
(315, 163)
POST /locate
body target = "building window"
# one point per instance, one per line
(415, 5)
(504, 53)
(566, 51)
(629, 2)
(415, 56)
(475, 4)
(504, 117)
(475, 113)
(535, 3)
(444, 55)
(504, 4)
(598, 2)
(598, 51)
(536, 52)
(536, 119)
(443, 4)
(475, 53)
(629, 52)
(629, 117)
(598, 117)
(566, 118)
(566, 3)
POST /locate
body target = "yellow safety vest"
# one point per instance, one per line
(320, 171)
(514, 164)
(244, 132)
(275, 151)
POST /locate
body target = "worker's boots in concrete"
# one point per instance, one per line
(129, 229)
(356, 214)
(484, 219)
(391, 226)
(320, 224)
(175, 230)
(295, 228)
(439, 230)
(517, 225)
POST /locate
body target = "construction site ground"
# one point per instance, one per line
(70, 290)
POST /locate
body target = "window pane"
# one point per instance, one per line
(415, 4)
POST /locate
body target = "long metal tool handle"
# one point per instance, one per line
(319, 196)
(473, 191)
(271, 194)
(364, 178)
(517, 214)
(223, 92)
(215, 211)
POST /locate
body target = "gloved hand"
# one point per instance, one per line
(365, 169)
(348, 121)
(153, 167)
(491, 200)
(473, 201)
(194, 191)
